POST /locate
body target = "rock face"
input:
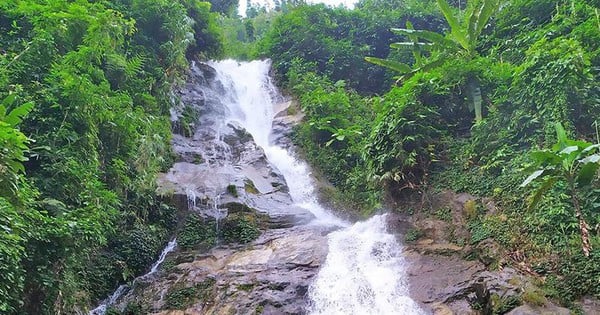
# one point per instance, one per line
(269, 276)
(228, 193)
(450, 274)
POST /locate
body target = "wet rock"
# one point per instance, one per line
(287, 115)
(590, 305)
(271, 274)
(549, 309)
(439, 279)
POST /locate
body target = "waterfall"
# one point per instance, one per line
(364, 272)
(250, 99)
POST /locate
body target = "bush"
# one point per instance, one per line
(240, 228)
(180, 297)
(578, 276)
(197, 233)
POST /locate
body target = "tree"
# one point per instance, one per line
(570, 161)
(461, 42)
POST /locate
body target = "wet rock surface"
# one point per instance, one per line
(226, 190)
(449, 275)
(270, 276)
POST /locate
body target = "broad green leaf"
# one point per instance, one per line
(539, 193)
(561, 135)
(532, 177)
(390, 64)
(425, 67)
(472, 23)
(16, 115)
(433, 37)
(9, 100)
(568, 150)
(402, 45)
(487, 10)
(6, 103)
(455, 27)
(545, 157)
(587, 172)
(590, 148)
(594, 158)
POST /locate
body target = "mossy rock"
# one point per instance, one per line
(501, 305)
(250, 188)
(242, 225)
(232, 190)
(240, 228)
(246, 286)
(180, 297)
(197, 233)
(236, 207)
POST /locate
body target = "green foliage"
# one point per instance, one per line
(240, 228)
(401, 144)
(336, 39)
(232, 190)
(11, 253)
(197, 233)
(573, 162)
(479, 231)
(412, 235)
(503, 305)
(180, 297)
(460, 43)
(14, 145)
(578, 276)
(332, 136)
(99, 74)
(225, 7)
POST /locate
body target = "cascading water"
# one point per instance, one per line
(364, 271)
(122, 289)
(250, 100)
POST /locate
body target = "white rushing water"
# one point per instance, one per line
(364, 272)
(250, 96)
(122, 289)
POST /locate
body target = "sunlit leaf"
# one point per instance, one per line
(390, 64)
(16, 115)
(532, 177)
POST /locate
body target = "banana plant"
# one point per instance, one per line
(571, 161)
(460, 42)
(13, 144)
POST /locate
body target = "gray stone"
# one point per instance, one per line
(549, 309)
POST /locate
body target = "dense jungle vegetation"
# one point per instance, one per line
(499, 99)
(403, 99)
(84, 129)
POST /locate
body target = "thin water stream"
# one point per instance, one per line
(122, 289)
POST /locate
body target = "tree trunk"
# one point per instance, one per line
(583, 226)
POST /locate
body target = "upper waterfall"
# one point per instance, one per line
(250, 96)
